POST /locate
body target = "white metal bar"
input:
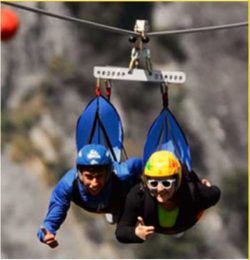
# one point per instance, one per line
(118, 73)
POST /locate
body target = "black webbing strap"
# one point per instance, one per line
(107, 139)
(97, 121)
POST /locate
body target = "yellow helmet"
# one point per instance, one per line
(163, 164)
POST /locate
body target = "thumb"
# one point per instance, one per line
(44, 230)
(140, 220)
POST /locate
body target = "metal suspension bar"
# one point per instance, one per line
(119, 73)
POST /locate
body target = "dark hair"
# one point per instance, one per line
(98, 168)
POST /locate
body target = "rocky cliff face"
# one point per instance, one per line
(47, 81)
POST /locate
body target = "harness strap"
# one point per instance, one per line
(164, 93)
(107, 139)
(108, 88)
(97, 121)
(93, 128)
(98, 91)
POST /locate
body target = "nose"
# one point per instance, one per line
(160, 187)
(94, 183)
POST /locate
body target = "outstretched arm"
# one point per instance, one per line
(129, 229)
(209, 194)
(57, 212)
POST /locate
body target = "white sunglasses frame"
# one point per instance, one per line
(171, 181)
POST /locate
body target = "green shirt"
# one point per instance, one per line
(167, 218)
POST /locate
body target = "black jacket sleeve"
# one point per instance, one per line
(208, 196)
(125, 230)
(205, 196)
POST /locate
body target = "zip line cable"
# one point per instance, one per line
(200, 29)
(123, 31)
(72, 19)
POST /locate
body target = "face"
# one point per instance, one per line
(94, 180)
(163, 189)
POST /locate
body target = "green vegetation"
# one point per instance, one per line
(19, 121)
(57, 170)
(60, 66)
(23, 149)
(17, 124)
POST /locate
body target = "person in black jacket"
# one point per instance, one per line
(170, 200)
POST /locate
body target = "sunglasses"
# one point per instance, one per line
(167, 183)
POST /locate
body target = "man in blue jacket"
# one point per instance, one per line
(97, 184)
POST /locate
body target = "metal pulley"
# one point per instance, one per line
(140, 52)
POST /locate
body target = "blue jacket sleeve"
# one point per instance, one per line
(130, 169)
(59, 204)
(135, 166)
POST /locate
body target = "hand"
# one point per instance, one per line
(49, 238)
(206, 182)
(143, 231)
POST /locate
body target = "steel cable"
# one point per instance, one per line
(123, 31)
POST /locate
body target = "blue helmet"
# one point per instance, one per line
(93, 155)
